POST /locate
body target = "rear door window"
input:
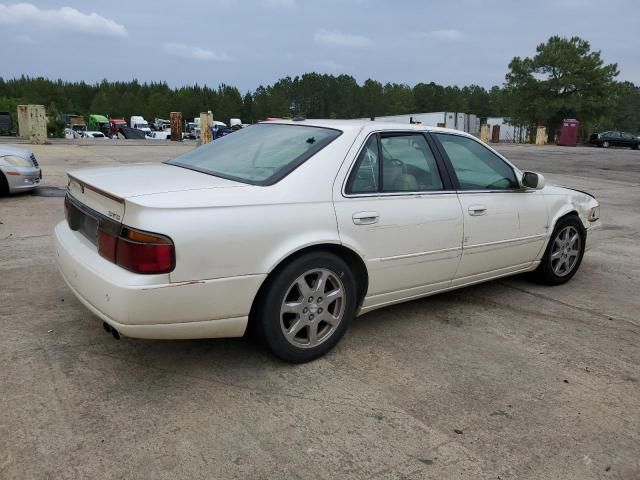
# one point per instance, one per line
(395, 162)
(408, 165)
(365, 177)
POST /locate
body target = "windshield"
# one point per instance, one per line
(261, 154)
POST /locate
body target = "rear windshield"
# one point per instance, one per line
(260, 154)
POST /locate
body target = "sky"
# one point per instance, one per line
(247, 43)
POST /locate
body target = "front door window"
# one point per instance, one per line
(477, 167)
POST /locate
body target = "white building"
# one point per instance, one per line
(507, 133)
(470, 123)
(456, 120)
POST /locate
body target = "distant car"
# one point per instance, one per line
(219, 132)
(615, 139)
(295, 227)
(159, 135)
(91, 134)
(19, 170)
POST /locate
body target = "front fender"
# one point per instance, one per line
(562, 201)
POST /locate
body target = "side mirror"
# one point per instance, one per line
(533, 180)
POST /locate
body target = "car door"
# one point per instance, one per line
(505, 226)
(398, 211)
(628, 140)
(615, 139)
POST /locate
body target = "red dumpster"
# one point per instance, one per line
(569, 132)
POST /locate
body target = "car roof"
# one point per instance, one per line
(11, 150)
(370, 125)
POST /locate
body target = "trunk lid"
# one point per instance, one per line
(104, 189)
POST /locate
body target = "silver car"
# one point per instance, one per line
(19, 170)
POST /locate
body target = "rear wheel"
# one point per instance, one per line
(307, 307)
(564, 252)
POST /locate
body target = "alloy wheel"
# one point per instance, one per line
(313, 308)
(565, 251)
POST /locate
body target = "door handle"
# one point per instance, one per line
(365, 218)
(477, 210)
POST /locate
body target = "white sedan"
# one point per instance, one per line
(292, 228)
(96, 134)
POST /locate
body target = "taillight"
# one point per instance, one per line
(144, 252)
(107, 243)
(139, 252)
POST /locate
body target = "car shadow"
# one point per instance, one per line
(448, 308)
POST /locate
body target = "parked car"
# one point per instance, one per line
(94, 134)
(19, 170)
(164, 135)
(294, 227)
(615, 139)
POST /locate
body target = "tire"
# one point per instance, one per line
(635, 146)
(605, 144)
(4, 185)
(294, 306)
(562, 258)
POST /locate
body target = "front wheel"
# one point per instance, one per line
(605, 144)
(564, 252)
(4, 185)
(307, 307)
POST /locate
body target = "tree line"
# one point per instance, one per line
(312, 95)
(564, 79)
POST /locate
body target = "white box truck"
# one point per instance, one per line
(140, 123)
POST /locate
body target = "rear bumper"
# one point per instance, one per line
(149, 306)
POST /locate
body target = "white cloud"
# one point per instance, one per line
(279, 3)
(337, 39)
(192, 52)
(64, 18)
(447, 34)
